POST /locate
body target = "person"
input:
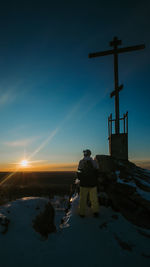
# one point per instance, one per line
(88, 175)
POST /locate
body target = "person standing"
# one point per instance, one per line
(88, 176)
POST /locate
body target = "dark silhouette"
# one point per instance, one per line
(44, 222)
(118, 143)
(88, 176)
(117, 88)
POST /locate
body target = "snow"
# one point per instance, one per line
(84, 242)
(142, 193)
(142, 181)
(130, 183)
(147, 171)
(117, 173)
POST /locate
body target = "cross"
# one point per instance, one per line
(115, 51)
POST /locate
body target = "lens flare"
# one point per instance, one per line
(24, 163)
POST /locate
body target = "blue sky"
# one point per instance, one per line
(54, 100)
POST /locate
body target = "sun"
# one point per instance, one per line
(24, 163)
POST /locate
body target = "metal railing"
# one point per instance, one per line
(111, 121)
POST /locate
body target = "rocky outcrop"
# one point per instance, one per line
(127, 187)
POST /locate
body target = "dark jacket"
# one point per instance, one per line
(87, 173)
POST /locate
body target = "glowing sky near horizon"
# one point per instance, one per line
(54, 101)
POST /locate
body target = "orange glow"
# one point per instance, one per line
(38, 167)
(54, 167)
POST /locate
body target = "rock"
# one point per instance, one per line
(103, 199)
(146, 255)
(115, 216)
(103, 225)
(44, 222)
(4, 222)
(106, 163)
(124, 189)
(124, 245)
(141, 232)
(122, 182)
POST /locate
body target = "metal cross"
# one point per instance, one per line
(115, 51)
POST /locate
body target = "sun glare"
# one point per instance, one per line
(24, 163)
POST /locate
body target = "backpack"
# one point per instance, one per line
(88, 175)
(88, 168)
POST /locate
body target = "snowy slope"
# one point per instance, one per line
(109, 240)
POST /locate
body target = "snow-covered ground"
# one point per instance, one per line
(109, 240)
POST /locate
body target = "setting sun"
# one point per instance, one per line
(24, 163)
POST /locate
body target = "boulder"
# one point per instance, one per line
(44, 222)
(106, 163)
(4, 222)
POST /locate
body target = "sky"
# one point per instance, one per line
(54, 100)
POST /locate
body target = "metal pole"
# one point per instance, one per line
(117, 126)
(108, 129)
(127, 122)
(124, 123)
(111, 124)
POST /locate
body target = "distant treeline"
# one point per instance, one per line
(23, 184)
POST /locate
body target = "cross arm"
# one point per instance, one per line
(117, 51)
(100, 54)
(130, 48)
(116, 91)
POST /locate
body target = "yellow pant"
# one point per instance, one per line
(83, 199)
